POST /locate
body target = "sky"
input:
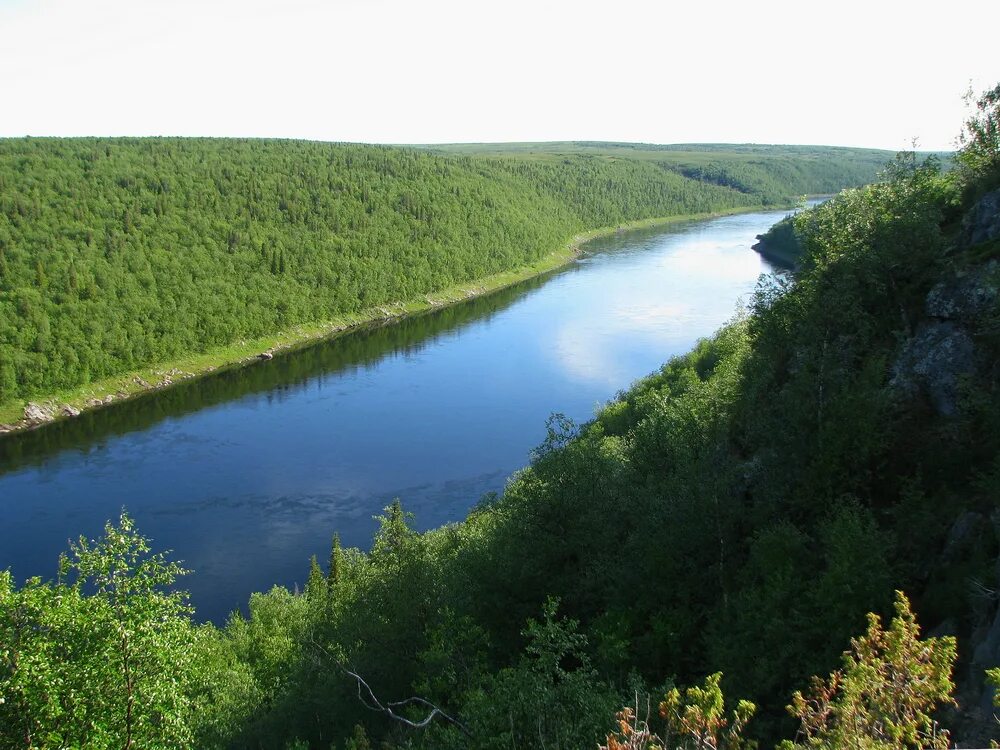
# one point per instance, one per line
(877, 73)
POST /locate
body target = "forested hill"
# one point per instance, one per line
(741, 510)
(773, 172)
(116, 254)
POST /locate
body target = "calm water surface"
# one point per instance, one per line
(247, 474)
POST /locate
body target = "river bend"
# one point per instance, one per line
(246, 474)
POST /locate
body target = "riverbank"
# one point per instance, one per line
(72, 402)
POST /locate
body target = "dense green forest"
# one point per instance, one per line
(771, 172)
(780, 244)
(741, 510)
(117, 254)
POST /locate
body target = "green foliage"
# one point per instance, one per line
(882, 698)
(694, 720)
(772, 172)
(884, 695)
(550, 698)
(358, 739)
(101, 658)
(979, 155)
(743, 507)
(780, 244)
(699, 720)
(225, 692)
(116, 254)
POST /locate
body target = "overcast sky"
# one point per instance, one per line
(873, 73)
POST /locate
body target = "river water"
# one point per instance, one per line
(246, 474)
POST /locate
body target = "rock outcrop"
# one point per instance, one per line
(36, 413)
(982, 223)
(935, 361)
(965, 296)
(942, 351)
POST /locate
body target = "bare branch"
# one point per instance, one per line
(374, 704)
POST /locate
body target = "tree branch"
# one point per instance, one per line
(374, 704)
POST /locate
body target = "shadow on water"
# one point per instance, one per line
(436, 409)
(288, 372)
(640, 237)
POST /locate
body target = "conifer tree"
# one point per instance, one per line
(335, 570)
(884, 695)
(315, 586)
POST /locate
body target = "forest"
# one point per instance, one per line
(772, 172)
(118, 254)
(787, 500)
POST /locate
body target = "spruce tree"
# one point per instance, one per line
(335, 570)
(315, 586)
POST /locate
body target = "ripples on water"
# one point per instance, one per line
(246, 474)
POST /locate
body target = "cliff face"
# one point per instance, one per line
(942, 353)
(913, 300)
(982, 223)
(950, 363)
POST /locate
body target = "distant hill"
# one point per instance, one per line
(122, 253)
(772, 171)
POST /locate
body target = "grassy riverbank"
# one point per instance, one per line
(247, 352)
(127, 264)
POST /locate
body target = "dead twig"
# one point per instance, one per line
(389, 709)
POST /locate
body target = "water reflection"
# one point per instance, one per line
(247, 473)
(315, 366)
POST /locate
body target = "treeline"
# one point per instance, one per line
(780, 245)
(366, 345)
(770, 172)
(116, 254)
(770, 180)
(740, 510)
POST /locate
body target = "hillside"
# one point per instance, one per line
(740, 510)
(121, 254)
(772, 172)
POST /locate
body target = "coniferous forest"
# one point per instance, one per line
(669, 574)
(118, 254)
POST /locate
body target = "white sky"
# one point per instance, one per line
(842, 72)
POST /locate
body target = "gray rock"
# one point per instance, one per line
(265, 356)
(982, 223)
(968, 531)
(37, 414)
(70, 411)
(967, 295)
(935, 360)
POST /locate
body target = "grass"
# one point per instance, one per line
(163, 375)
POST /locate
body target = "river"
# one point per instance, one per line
(245, 474)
